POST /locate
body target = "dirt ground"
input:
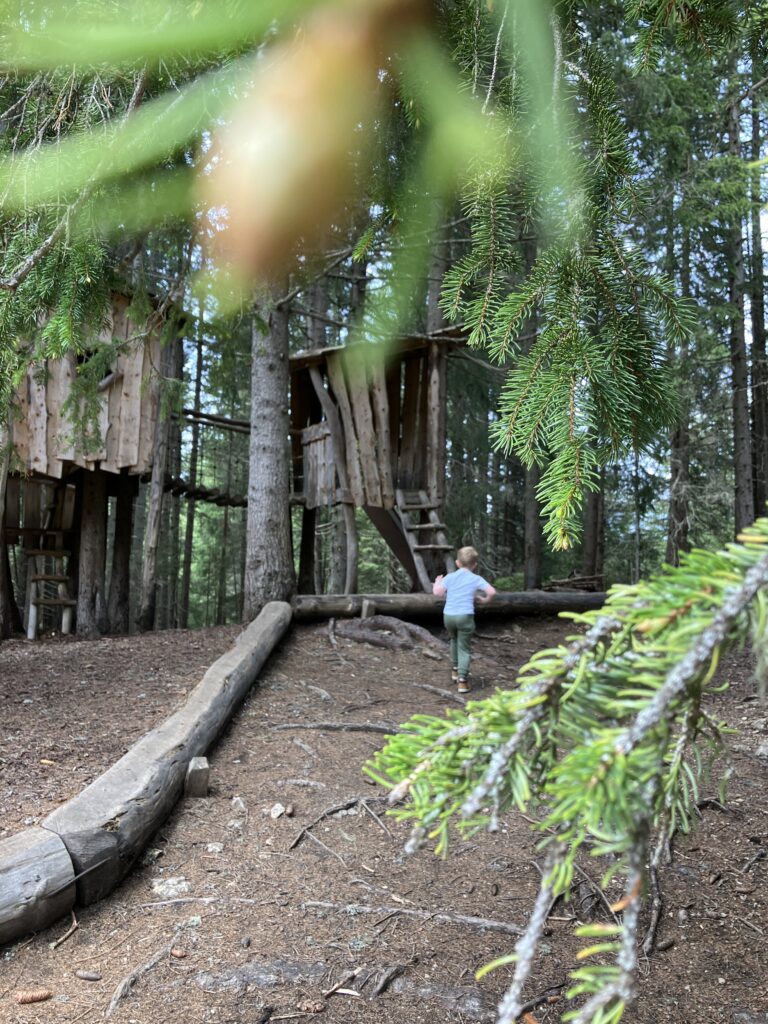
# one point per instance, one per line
(238, 915)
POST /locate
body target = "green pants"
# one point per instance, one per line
(460, 629)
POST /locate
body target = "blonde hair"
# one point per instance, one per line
(466, 557)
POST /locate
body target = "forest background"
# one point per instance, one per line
(606, 265)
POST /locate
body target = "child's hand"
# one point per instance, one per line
(439, 579)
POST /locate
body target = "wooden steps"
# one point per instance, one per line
(424, 533)
(37, 579)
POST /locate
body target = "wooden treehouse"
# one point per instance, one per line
(368, 430)
(57, 492)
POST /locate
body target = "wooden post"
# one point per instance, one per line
(348, 510)
(119, 583)
(146, 617)
(91, 603)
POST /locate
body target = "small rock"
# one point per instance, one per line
(762, 750)
(246, 942)
(151, 855)
(27, 700)
(215, 848)
(238, 804)
(169, 888)
(276, 811)
(235, 824)
(289, 811)
(193, 922)
(178, 952)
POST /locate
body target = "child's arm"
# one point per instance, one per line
(484, 595)
(437, 587)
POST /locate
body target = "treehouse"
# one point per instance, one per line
(368, 430)
(56, 496)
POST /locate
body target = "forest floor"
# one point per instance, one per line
(241, 912)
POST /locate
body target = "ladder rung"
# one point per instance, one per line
(49, 578)
(426, 526)
(51, 602)
(39, 552)
(432, 547)
(418, 508)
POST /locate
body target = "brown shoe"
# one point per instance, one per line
(464, 685)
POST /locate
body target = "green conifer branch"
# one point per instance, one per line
(604, 737)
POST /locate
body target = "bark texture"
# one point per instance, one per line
(744, 505)
(91, 600)
(269, 571)
(118, 601)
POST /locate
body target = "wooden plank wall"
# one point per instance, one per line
(129, 408)
(319, 466)
(392, 417)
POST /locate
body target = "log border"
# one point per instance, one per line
(80, 852)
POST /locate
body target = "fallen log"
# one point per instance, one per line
(37, 882)
(106, 826)
(526, 602)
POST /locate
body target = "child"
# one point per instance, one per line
(461, 589)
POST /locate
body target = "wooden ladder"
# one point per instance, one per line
(41, 577)
(424, 532)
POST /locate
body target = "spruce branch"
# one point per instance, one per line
(60, 231)
(698, 658)
(511, 1005)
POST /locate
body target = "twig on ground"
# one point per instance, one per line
(444, 916)
(342, 981)
(180, 900)
(762, 852)
(329, 850)
(332, 633)
(70, 931)
(327, 813)
(445, 694)
(127, 983)
(376, 818)
(385, 729)
(549, 995)
(597, 890)
(307, 783)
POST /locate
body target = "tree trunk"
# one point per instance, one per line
(592, 544)
(189, 526)
(118, 602)
(744, 505)
(757, 297)
(438, 265)
(337, 541)
(679, 456)
(174, 506)
(268, 562)
(532, 541)
(92, 617)
(145, 620)
(6, 612)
